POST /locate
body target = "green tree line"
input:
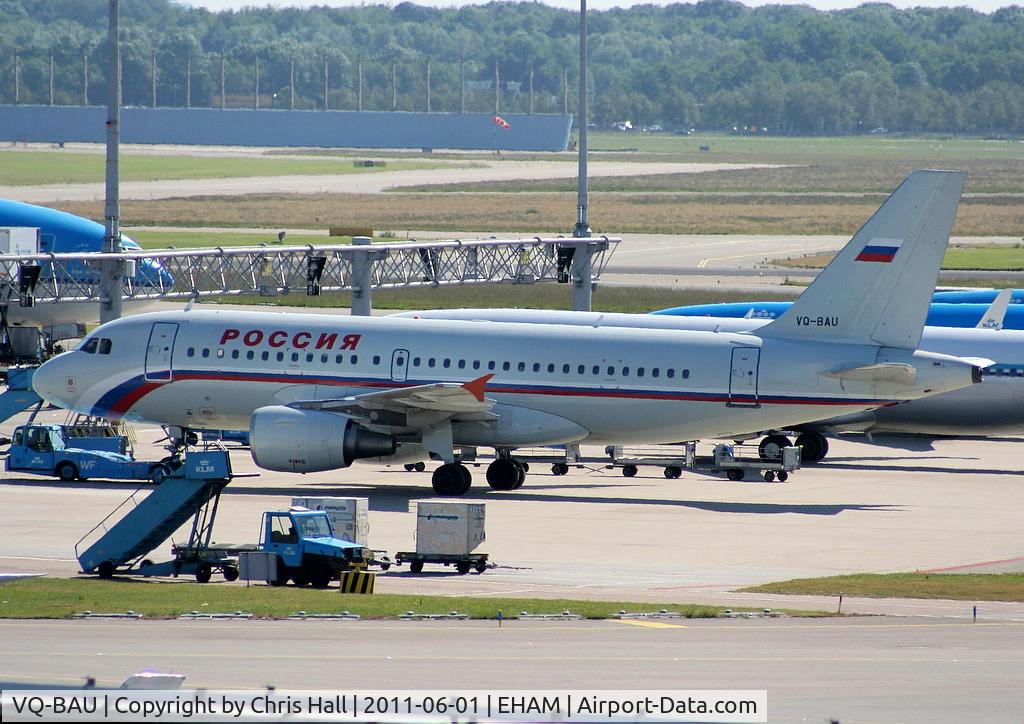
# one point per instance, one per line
(714, 64)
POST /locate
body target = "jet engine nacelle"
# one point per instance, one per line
(309, 441)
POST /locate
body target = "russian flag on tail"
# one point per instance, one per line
(881, 250)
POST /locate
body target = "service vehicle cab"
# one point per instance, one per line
(50, 450)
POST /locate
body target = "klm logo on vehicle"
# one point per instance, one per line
(817, 321)
(204, 466)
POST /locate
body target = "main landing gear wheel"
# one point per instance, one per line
(505, 474)
(815, 447)
(452, 479)
(771, 447)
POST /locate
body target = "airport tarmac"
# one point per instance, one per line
(818, 670)
(595, 534)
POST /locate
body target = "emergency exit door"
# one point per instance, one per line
(743, 378)
(159, 352)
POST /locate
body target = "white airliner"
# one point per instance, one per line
(317, 393)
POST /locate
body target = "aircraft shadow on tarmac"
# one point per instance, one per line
(917, 468)
(396, 499)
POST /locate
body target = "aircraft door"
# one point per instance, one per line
(400, 365)
(743, 378)
(160, 351)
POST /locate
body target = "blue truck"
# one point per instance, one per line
(45, 449)
(306, 549)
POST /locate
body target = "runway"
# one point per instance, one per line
(848, 670)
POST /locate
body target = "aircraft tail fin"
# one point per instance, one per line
(996, 313)
(878, 288)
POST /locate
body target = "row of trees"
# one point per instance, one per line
(712, 64)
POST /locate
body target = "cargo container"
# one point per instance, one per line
(349, 516)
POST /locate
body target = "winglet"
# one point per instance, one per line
(476, 387)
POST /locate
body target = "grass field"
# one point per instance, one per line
(30, 168)
(61, 598)
(996, 257)
(545, 213)
(208, 240)
(858, 176)
(967, 587)
(797, 147)
(536, 296)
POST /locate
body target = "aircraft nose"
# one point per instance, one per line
(53, 382)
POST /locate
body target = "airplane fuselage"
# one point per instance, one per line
(551, 383)
(995, 407)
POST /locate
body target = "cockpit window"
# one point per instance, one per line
(105, 345)
(89, 345)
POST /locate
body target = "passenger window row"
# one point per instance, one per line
(449, 363)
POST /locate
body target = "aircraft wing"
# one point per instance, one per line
(446, 399)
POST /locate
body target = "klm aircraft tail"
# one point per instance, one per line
(878, 288)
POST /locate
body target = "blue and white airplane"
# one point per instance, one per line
(318, 392)
(976, 296)
(939, 314)
(61, 232)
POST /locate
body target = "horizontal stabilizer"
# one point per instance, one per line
(878, 289)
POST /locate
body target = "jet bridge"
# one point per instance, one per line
(140, 524)
(269, 271)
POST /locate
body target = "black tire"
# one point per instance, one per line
(526, 467)
(452, 479)
(672, 472)
(300, 577)
(560, 469)
(783, 476)
(66, 471)
(734, 474)
(203, 573)
(230, 573)
(480, 566)
(629, 471)
(409, 467)
(814, 447)
(503, 474)
(105, 570)
(321, 576)
(384, 565)
(420, 467)
(462, 567)
(416, 566)
(770, 447)
(769, 476)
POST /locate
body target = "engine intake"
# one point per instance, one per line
(308, 441)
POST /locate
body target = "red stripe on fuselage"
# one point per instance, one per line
(122, 405)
